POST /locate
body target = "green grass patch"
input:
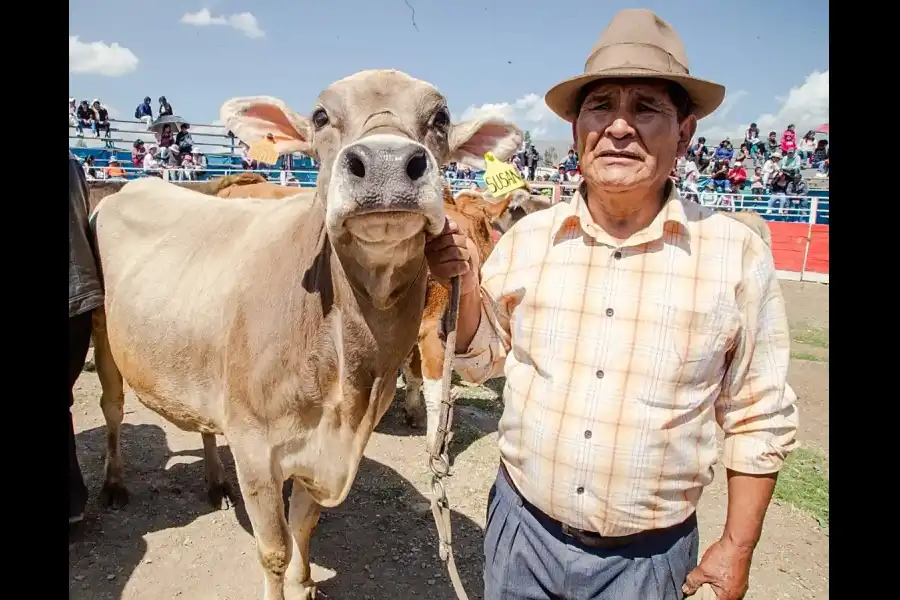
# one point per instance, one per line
(803, 484)
(808, 356)
(811, 336)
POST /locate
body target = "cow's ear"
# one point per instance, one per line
(470, 140)
(254, 117)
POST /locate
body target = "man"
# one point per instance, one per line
(791, 164)
(85, 295)
(571, 163)
(628, 323)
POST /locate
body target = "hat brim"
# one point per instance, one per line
(706, 96)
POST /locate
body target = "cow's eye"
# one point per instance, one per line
(320, 118)
(442, 119)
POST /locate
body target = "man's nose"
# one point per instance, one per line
(387, 169)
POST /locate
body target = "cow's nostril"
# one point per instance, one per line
(356, 166)
(417, 165)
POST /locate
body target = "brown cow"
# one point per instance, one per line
(282, 325)
(424, 367)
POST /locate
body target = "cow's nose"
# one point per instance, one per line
(386, 169)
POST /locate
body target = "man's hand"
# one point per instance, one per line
(450, 254)
(725, 567)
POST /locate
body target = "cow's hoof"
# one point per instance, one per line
(300, 591)
(415, 417)
(114, 495)
(222, 496)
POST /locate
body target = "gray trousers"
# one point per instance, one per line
(527, 557)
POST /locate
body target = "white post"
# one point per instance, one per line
(813, 211)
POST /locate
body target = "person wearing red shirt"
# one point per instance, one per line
(737, 176)
(789, 139)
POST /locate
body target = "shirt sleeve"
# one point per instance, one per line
(757, 407)
(486, 355)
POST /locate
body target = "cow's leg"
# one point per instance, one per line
(112, 402)
(221, 495)
(412, 373)
(304, 515)
(432, 352)
(261, 491)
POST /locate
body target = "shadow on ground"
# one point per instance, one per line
(381, 541)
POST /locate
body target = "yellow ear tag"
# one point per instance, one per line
(501, 178)
(264, 151)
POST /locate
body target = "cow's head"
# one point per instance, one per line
(380, 138)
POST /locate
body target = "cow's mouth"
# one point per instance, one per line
(385, 225)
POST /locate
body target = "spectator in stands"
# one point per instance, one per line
(772, 145)
(725, 151)
(115, 170)
(791, 164)
(820, 158)
(247, 161)
(84, 117)
(165, 109)
(751, 138)
(144, 111)
(90, 171)
(772, 168)
(708, 196)
(531, 161)
(720, 176)
(73, 108)
(164, 136)
(189, 170)
(788, 139)
(571, 163)
(778, 193)
(138, 152)
(184, 141)
(743, 154)
(560, 175)
(101, 121)
(200, 163)
(701, 153)
(737, 176)
(807, 147)
(797, 192)
(757, 185)
(151, 164)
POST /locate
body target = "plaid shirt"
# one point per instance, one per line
(620, 358)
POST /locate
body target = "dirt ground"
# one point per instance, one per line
(380, 544)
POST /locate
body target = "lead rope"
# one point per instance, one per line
(439, 455)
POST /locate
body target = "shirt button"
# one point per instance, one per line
(599, 374)
(588, 434)
(617, 255)
(610, 312)
(580, 490)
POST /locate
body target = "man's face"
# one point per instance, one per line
(628, 135)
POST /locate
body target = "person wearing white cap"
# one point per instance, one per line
(630, 325)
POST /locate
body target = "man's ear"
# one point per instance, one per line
(252, 118)
(470, 140)
(686, 132)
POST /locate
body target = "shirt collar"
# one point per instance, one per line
(671, 217)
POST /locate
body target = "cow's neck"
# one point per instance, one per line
(384, 273)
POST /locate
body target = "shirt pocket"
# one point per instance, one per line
(685, 355)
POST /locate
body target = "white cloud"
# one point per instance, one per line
(806, 106)
(243, 22)
(528, 112)
(98, 58)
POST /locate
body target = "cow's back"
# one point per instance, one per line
(176, 264)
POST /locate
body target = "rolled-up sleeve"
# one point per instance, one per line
(757, 408)
(486, 355)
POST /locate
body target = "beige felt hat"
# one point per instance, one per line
(637, 44)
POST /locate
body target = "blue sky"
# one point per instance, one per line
(484, 55)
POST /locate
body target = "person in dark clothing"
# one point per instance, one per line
(164, 107)
(85, 295)
(531, 161)
(184, 141)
